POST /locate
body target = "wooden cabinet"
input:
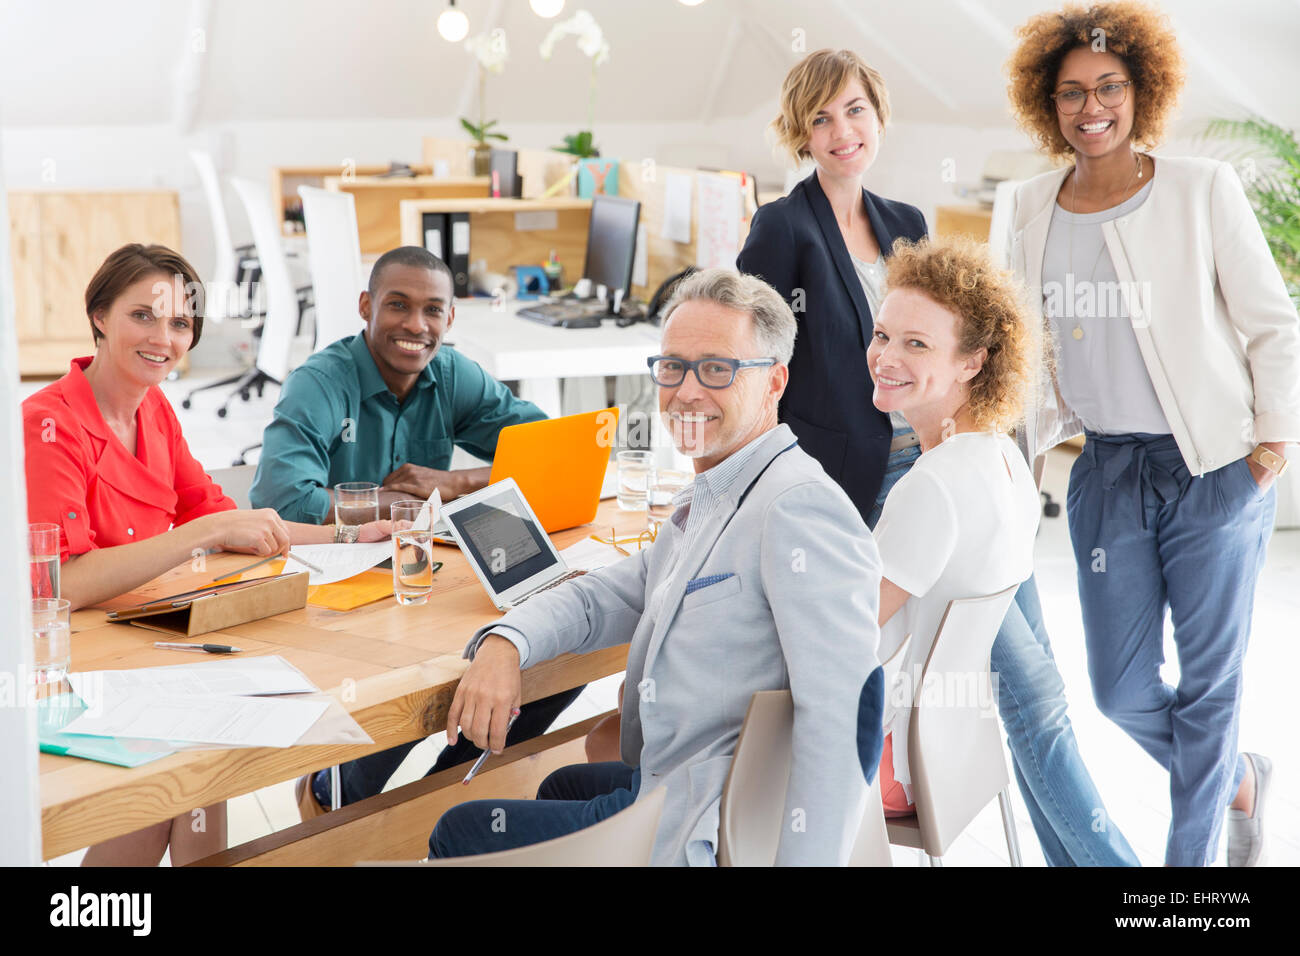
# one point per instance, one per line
(57, 241)
(967, 220)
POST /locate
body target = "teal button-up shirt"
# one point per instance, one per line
(337, 421)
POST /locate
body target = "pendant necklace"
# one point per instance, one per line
(1074, 195)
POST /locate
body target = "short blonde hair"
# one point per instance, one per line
(816, 80)
(956, 272)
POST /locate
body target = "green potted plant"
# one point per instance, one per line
(491, 52)
(591, 41)
(1269, 165)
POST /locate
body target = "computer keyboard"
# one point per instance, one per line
(557, 313)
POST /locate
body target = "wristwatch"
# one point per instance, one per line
(1267, 458)
(347, 534)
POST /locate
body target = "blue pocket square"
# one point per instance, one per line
(708, 579)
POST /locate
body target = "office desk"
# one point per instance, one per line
(538, 357)
(394, 669)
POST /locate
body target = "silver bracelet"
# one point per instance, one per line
(346, 533)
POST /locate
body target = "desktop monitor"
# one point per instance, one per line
(611, 243)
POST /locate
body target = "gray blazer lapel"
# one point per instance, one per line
(688, 566)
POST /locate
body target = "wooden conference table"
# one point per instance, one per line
(394, 669)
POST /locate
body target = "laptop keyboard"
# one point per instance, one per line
(546, 587)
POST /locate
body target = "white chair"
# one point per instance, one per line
(751, 817)
(334, 252)
(625, 839)
(233, 268)
(235, 482)
(283, 303)
(954, 745)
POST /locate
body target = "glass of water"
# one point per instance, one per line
(634, 471)
(43, 551)
(412, 554)
(51, 639)
(355, 503)
(664, 485)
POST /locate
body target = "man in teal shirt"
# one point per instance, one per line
(387, 405)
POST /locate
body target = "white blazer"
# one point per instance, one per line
(1217, 331)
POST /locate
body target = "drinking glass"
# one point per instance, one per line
(355, 503)
(664, 485)
(634, 471)
(51, 639)
(43, 552)
(412, 554)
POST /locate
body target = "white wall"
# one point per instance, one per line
(20, 818)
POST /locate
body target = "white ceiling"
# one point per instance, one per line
(209, 62)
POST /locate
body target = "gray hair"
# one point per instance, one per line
(774, 323)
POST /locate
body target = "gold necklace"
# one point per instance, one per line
(1074, 197)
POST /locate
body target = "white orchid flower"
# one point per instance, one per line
(490, 49)
(591, 39)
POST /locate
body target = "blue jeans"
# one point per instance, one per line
(570, 799)
(1064, 806)
(1148, 536)
(367, 776)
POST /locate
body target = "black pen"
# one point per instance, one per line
(210, 648)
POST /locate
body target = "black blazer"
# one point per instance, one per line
(795, 244)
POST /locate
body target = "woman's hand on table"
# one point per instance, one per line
(488, 693)
(259, 531)
(375, 531)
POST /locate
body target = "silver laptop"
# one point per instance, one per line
(505, 544)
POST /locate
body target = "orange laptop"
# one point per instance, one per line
(559, 464)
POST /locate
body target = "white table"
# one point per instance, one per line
(539, 357)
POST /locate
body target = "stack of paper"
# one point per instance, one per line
(226, 703)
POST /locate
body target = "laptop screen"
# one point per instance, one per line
(501, 538)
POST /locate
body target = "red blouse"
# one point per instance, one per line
(81, 477)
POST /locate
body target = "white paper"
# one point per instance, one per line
(248, 676)
(338, 561)
(590, 555)
(541, 219)
(229, 721)
(640, 257)
(718, 238)
(677, 208)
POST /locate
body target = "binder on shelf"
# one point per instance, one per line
(458, 250)
(433, 226)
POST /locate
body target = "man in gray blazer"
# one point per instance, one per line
(764, 578)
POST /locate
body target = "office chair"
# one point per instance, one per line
(285, 305)
(954, 747)
(234, 264)
(334, 255)
(751, 816)
(625, 839)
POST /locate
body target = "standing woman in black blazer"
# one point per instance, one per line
(823, 248)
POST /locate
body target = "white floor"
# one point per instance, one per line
(1134, 787)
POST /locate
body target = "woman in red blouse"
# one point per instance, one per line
(106, 461)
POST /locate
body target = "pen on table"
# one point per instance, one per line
(209, 648)
(258, 564)
(484, 755)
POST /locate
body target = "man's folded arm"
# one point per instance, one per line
(597, 610)
(821, 576)
(294, 468)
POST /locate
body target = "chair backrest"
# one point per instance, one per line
(281, 299)
(235, 482)
(220, 284)
(334, 250)
(751, 817)
(625, 839)
(955, 739)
